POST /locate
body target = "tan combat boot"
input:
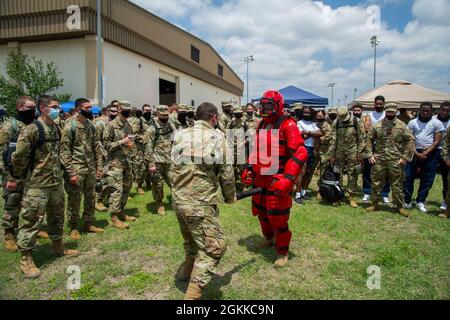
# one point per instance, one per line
(403, 212)
(42, 235)
(266, 243)
(319, 197)
(186, 271)
(100, 207)
(119, 224)
(194, 292)
(60, 250)
(28, 267)
(10, 242)
(90, 228)
(373, 208)
(281, 261)
(124, 217)
(161, 211)
(140, 191)
(75, 235)
(352, 202)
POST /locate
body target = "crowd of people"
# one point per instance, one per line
(48, 153)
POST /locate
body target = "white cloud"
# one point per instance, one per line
(310, 44)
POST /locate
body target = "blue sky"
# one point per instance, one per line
(312, 43)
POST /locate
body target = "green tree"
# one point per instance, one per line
(28, 77)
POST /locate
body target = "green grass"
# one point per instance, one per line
(332, 248)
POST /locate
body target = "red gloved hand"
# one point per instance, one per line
(281, 185)
(247, 177)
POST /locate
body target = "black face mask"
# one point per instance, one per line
(87, 114)
(112, 117)
(191, 115)
(27, 116)
(163, 120)
(182, 118)
(298, 114)
(238, 115)
(320, 120)
(307, 117)
(422, 119)
(139, 114)
(125, 113)
(332, 116)
(379, 110)
(358, 115)
(250, 114)
(147, 115)
(390, 118)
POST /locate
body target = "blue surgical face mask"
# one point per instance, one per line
(54, 114)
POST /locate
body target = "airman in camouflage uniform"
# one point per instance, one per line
(227, 115)
(445, 152)
(250, 117)
(100, 124)
(331, 116)
(190, 119)
(181, 122)
(347, 145)
(118, 140)
(235, 136)
(37, 160)
(82, 160)
(173, 115)
(324, 145)
(198, 188)
(13, 188)
(139, 128)
(394, 148)
(158, 147)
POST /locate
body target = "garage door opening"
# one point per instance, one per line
(167, 92)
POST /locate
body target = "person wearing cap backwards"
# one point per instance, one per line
(346, 147)
(158, 148)
(227, 116)
(236, 139)
(274, 166)
(390, 146)
(331, 116)
(298, 109)
(119, 142)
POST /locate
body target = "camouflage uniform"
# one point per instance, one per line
(445, 153)
(119, 163)
(331, 111)
(224, 118)
(393, 141)
(11, 209)
(324, 147)
(182, 110)
(197, 191)
(158, 147)
(100, 124)
(81, 157)
(139, 128)
(44, 189)
(347, 145)
(236, 139)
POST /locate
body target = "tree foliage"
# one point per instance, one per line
(27, 76)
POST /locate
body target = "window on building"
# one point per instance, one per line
(220, 70)
(195, 54)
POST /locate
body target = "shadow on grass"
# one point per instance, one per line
(44, 254)
(134, 212)
(152, 208)
(252, 241)
(212, 291)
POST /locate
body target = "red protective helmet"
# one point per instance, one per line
(275, 99)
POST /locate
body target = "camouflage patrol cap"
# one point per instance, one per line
(190, 108)
(228, 103)
(332, 111)
(297, 106)
(342, 112)
(125, 105)
(183, 108)
(163, 109)
(391, 106)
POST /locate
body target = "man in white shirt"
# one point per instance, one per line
(443, 116)
(428, 134)
(369, 121)
(310, 132)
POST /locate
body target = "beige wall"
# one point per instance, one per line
(68, 55)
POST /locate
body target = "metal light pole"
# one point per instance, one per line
(331, 85)
(99, 53)
(346, 96)
(374, 42)
(354, 93)
(248, 60)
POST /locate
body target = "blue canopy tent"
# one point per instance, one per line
(293, 94)
(67, 106)
(96, 110)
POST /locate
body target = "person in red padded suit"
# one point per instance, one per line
(274, 164)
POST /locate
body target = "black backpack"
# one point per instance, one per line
(329, 187)
(7, 153)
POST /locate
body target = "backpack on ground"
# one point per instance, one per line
(330, 188)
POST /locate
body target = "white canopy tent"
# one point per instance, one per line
(406, 94)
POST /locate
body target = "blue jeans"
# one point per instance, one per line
(367, 184)
(428, 170)
(443, 170)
